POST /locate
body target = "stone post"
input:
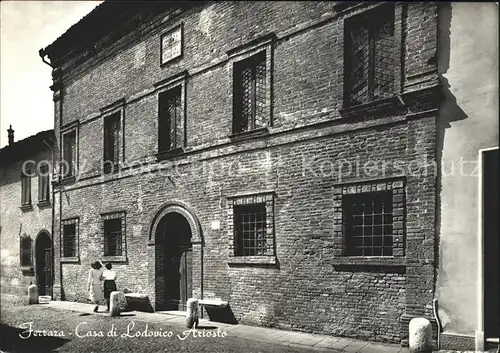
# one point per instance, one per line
(192, 312)
(420, 336)
(114, 304)
(32, 294)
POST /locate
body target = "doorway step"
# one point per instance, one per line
(44, 299)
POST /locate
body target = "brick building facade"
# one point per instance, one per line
(220, 150)
(26, 214)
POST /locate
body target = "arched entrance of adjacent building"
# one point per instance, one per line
(173, 265)
(43, 258)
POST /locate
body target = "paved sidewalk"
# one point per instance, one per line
(252, 333)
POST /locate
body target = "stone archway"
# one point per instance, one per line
(175, 253)
(44, 263)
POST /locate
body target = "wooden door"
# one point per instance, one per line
(47, 271)
(185, 278)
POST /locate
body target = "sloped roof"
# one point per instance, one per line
(26, 148)
(107, 17)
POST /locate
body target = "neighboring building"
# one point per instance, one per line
(218, 150)
(467, 287)
(26, 214)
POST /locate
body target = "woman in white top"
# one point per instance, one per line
(94, 284)
(109, 282)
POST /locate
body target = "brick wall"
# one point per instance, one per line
(15, 222)
(308, 288)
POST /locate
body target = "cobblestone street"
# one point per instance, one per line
(15, 314)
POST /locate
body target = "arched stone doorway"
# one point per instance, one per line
(175, 235)
(43, 258)
(173, 268)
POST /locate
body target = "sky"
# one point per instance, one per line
(26, 27)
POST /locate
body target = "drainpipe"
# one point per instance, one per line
(43, 54)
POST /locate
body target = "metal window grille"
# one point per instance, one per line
(113, 237)
(26, 258)
(69, 154)
(69, 240)
(26, 188)
(171, 131)
(43, 183)
(250, 93)
(250, 230)
(368, 224)
(111, 141)
(369, 56)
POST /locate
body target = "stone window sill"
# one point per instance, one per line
(170, 153)
(67, 180)
(73, 259)
(389, 261)
(27, 269)
(122, 258)
(43, 204)
(252, 260)
(27, 207)
(110, 169)
(377, 106)
(263, 131)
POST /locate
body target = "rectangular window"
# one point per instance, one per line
(368, 223)
(69, 240)
(26, 188)
(69, 154)
(250, 230)
(112, 127)
(369, 56)
(25, 251)
(43, 183)
(113, 230)
(113, 237)
(170, 120)
(250, 93)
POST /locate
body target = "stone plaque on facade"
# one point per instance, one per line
(171, 44)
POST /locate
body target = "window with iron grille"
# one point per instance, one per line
(250, 230)
(69, 154)
(43, 183)
(369, 56)
(113, 227)
(250, 226)
(26, 251)
(170, 120)
(69, 238)
(250, 93)
(111, 141)
(368, 223)
(26, 188)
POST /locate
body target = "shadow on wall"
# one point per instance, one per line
(13, 343)
(449, 110)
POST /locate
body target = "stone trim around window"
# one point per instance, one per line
(161, 87)
(116, 112)
(362, 10)
(240, 54)
(115, 215)
(68, 176)
(26, 247)
(76, 222)
(398, 209)
(257, 198)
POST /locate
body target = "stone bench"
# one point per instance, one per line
(213, 303)
(218, 310)
(139, 302)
